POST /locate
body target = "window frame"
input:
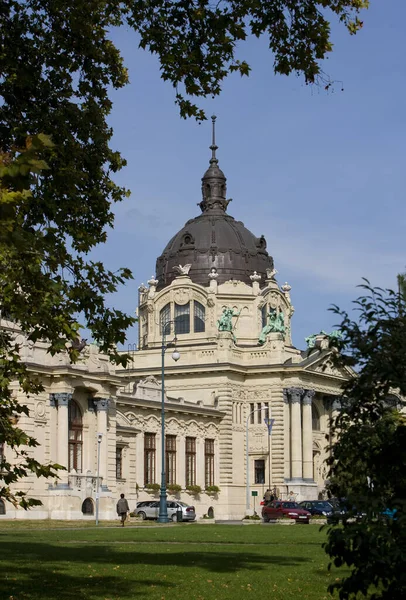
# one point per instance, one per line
(190, 461)
(170, 459)
(259, 469)
(75, 437)
(209, 454)
(149, 458)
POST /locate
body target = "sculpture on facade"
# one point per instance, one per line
(225, 322)
(336, 334)
(182, 270)
(275, 323)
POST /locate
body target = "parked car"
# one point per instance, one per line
(318, 507)
(150, 510)
(278, 509)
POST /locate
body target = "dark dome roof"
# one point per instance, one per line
(214, 240)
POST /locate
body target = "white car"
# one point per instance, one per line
(150, 510)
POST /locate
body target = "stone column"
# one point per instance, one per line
(61, 400)
(296, 432)
(308, 435)
(102, 406)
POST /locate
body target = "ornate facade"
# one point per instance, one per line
(238, 375)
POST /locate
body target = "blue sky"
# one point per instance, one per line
(320, 174)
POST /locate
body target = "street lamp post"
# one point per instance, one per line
(99, 441)
(163, 506)
(247, 498)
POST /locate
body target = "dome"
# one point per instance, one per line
(214, 240)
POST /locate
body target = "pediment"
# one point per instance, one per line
(325, 366)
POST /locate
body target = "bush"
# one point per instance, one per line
(194, 489)
(174, 488)
(153, 487)
(212, 489)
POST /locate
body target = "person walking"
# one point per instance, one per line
(268, 495)
(122, 509)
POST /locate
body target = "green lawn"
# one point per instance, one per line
(179, 562)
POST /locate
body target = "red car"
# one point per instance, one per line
(278, 509)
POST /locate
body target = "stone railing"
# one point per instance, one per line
(84, 482)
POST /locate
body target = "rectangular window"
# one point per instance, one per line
(264, 313)
(170, 452)
(266, 411)
(119, 463)
(165, 319)
(182, 318)
(252, 414)
(149, 458)
(199, 317)
(209, 462)
(259, 471)
(190, 461)
(259, 413)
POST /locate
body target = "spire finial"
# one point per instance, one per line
(213, 146)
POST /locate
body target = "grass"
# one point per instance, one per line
(179, 562)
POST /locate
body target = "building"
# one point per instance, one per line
(216, 292)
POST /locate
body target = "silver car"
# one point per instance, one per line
(150, 510)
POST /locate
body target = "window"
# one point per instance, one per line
(199, 317)
(315, 418)
(119, 462)
(259, 413)
(170, 465)
(88, 507)
(75, 437)
(2, 507)
(208, 462)
(264, 313)
(149, 458)
(266, 411)
(252, 414)
(164, 319)
(190, 461)
(182, 319)
(259, 471)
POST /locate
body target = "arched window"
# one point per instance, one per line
(164, 319)
(182, 318)
(200, 315)
(88, 507)
(315, 418)
(75, 437)
(2, 507)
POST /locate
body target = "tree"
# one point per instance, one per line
(368, 457)
(57, 65)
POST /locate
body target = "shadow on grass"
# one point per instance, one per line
(56, 572)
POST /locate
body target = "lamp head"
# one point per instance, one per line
(99, 437)
(175, 355)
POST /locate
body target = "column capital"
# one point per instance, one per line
(60, 398)
(308, 396)
(101, 404)
(295, 394)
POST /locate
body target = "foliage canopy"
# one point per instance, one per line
(369, 454)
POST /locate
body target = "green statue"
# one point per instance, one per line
(275, 324)
(225, 322)
(336, 334)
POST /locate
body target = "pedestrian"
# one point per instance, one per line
(267, 495)
(122, 509)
